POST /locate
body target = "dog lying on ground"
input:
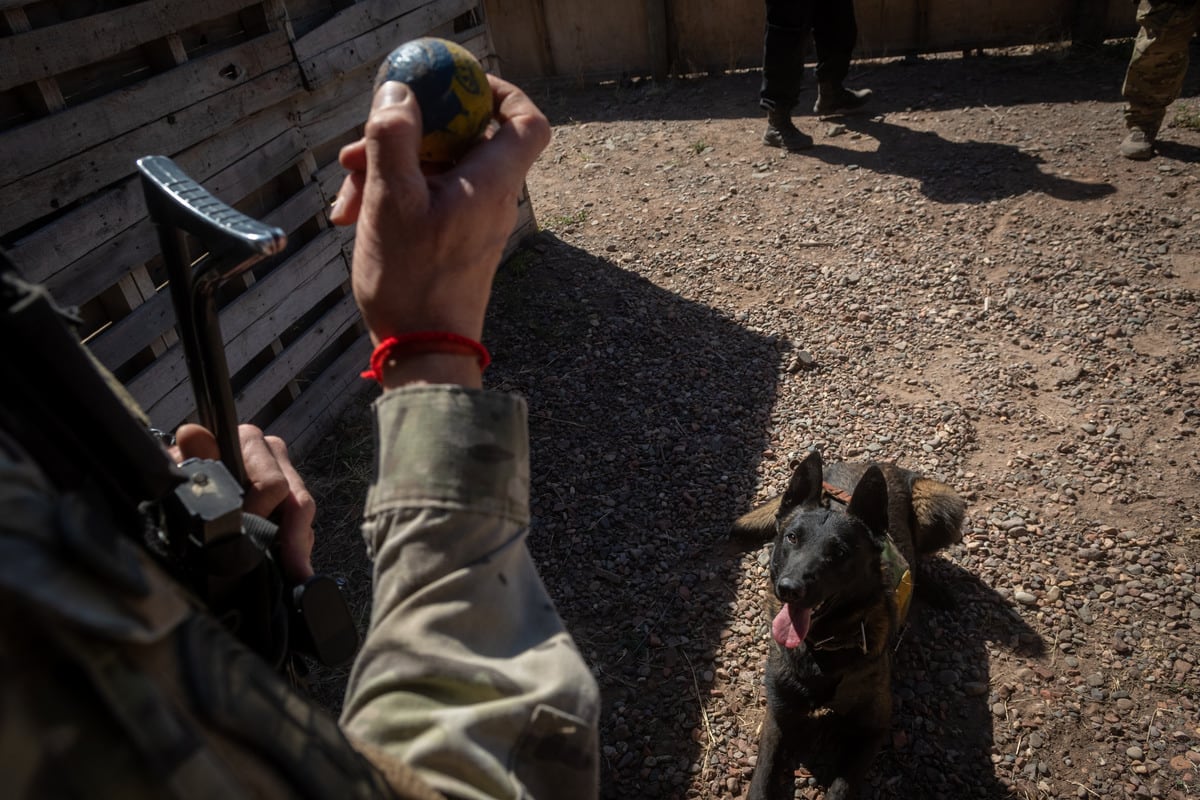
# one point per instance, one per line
(842, 577)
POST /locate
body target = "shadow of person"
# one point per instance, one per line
(1177, 151)
(648, 415)
(955, 172)
(949, 709)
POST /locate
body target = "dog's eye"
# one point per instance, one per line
(791, 537)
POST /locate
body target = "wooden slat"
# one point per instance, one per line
(111, 161)
(127, 337)
(46, 52)
(518, 29)
(337, 120)
(373, 45)
(351, 22)
(52, 249)
(51, 140)
(306, 420)
(480, 44)
(330, 178)
(658, 38)
(296, 356)
(49, 98)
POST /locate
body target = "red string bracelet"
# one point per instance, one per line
(407, 344)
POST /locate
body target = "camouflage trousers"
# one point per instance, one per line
(1160, 60)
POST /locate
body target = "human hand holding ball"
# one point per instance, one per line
(451, 89)
(430, 234)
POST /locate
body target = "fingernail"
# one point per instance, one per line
(390, 94)
(336, 209)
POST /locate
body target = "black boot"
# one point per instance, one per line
(833, 98)
(782, 132)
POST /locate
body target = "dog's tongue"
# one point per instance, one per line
(788, 629)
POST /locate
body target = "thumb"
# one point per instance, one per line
(195, 441)
(393, 134)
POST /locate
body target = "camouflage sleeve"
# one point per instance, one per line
(467, 674)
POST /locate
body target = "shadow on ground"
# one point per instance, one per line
(944, 694)
(955, 172)
(648, 417)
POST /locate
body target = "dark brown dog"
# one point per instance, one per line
(842, 576)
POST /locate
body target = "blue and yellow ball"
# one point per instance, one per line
(452, 90)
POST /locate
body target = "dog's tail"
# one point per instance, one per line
(757, 526)
(939, 513)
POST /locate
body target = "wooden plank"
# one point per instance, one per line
(296, 356)
(98, 167)
(337, 121)
(373, 45)
(521, 41)
(263, 316)
(657, 38)
(78, 253)
(46, 52)
(248, 325)
(48, 96)
(127, 337)
(306, 420)
(330, 178)
(124, 339)
(585, 40)
(352, 22)
(480, 44)
(706, 41)
(50, 140)
(526, 224)
(54, 248)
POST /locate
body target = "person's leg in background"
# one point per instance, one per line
(788, 25)
(835, 32)
(1156, 70)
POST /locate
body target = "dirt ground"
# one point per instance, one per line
(965, 278)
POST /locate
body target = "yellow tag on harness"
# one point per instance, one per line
(904, 591)
(895, 568)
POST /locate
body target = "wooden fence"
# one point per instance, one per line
(588, 40)
(253, 98)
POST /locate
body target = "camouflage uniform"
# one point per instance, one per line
(1159, 62)
(114, 684)
(467, 674)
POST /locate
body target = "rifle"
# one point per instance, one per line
(76, 422)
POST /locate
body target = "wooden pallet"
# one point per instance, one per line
(253, 99)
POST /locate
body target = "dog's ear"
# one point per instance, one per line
(869, 502)
(804, 489)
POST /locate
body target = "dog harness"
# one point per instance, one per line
(895, 566)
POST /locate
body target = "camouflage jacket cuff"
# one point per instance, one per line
(452, 448)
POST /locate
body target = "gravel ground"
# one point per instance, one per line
(966, 280)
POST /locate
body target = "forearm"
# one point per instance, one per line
(467, 669)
